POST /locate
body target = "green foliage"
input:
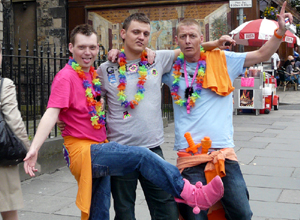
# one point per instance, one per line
(270, 13)
(219, 27)
(295, 3)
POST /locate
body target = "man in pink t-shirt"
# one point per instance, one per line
(75, 99)
(65, 94)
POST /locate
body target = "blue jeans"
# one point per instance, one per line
(113, 159)
(236, 197)
(161, 204)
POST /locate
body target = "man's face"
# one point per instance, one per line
(136, 37)
(189, 40)
(84, 50)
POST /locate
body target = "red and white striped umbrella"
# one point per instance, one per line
(259, 31)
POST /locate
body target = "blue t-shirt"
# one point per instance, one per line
(212, 114)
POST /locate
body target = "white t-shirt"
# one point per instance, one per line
(276, 59)
(142, 126)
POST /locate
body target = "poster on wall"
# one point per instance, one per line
(108, 22)
(246, 98)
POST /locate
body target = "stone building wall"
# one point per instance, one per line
(52, 23)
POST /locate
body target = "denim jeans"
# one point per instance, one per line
(236, 197)
(113, 159)
(161, 204)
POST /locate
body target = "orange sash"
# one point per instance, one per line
(81, 167)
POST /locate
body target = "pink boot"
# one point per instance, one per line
(201, 197)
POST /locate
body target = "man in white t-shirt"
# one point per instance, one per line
(276, 61)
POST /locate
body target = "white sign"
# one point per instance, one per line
(249, 36)
(289, 39)
(240, 4)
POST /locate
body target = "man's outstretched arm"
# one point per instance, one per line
(45, 126)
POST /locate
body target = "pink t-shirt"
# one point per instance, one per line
(68, 94)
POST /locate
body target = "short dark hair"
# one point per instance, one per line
(140, 17)
(84, 29)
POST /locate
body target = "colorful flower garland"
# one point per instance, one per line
(122, 80)
(92, 93)
(190, 102)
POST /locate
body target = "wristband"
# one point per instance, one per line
(277, 35)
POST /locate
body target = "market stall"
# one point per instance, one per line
(255, 91)
(248, 93)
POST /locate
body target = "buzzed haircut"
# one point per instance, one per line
(84, 29)
(140, 17)
(188, 22)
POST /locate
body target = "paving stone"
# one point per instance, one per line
(287, 146)
(264, 194)
(37, 186)
(250, 144)
(272, 182)
(290, 196)
(275, 210)
(276, 162)
(24, 215)
(267, 171)
(45, 204)
(267, 153)
(254, 134)
(276, 140)
(296, 173)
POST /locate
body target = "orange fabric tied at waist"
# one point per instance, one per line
(81, 167)
(216, 75)
(215, 166)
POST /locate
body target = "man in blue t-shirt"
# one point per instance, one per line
(202, 103)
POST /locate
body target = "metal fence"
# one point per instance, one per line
(33, 71)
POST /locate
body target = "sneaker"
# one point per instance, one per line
(201, 197)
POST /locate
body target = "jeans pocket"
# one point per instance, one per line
(99, 170)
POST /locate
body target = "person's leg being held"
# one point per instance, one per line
(161, 204)
(193, 174)
(123, 189)
(100, 198)
(117, 160)
(236, 197)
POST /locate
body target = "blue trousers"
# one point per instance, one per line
(113, 159)
(161, 204)
(236, 197)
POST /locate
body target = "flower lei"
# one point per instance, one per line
(122, 80)
(92, 94)
(199, 80)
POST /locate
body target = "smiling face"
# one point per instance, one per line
(136, 38)
(84, 50)
(189, 39)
